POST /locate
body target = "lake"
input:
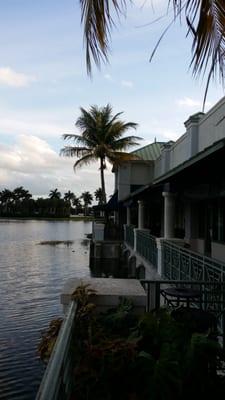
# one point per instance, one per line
(33, 269)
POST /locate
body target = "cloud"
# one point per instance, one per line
(9, 77)
(191, 103)
(128, 84)
(32, 163)
(46, 124)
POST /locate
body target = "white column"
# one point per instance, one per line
(169, 212)
(140, 214)
(128, 216)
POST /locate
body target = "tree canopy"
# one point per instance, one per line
(101, 139)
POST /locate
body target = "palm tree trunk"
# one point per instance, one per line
(102, 180)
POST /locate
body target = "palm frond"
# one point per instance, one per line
(96, 15)
(85, 160)
(125, 143)
(206, 22)
(71, 151)
(118, 157)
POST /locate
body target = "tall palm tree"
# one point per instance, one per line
(101, 139)
(205, 22)
(54, 194)
(87, 199)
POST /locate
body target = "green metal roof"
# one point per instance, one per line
(151, 151)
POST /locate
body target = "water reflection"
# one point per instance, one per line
(31, 278)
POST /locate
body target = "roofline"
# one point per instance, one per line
(154, 184)
(198, 157)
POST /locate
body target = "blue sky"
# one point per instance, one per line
(43, 82)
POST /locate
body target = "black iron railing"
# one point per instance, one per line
(146, 246)
(183, 264)
(129, 235)
(211, 297)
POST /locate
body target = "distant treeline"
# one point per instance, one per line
(20, 203)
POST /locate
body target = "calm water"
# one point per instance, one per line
(31, 279)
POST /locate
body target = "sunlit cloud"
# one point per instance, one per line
(9, 77)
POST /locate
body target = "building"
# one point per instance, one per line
(175, 195)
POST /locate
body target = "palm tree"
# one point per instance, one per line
(205, 22)
(69, 196)
(100, 139)
(76, 203)
(7, 198)
(22, 194)
(99, 196)
(87, 199)
(54, 194)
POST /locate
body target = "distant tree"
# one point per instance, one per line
(6, 199)
(54, 194)
(101, 139)
(76, 203)
(99, 196)
(21, 194)
(69, 196)
(87, 199)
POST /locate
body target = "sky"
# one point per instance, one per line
(43, 84)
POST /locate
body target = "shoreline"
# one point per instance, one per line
(74, 218)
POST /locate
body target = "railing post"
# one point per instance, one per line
(135, 239)
(159, 256)
(157, 295)
(179, 265)
(125, 232)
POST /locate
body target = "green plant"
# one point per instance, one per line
(150, 357)
(48, 339)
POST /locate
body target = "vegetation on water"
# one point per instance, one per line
(19, 203)
(121, 356)
(67, 243)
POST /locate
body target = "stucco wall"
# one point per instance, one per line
(212, 126)
(135, 173)
(218, 251)
(197, 245)
(202, 131)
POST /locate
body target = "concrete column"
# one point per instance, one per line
(140, 214)
(128, 216)
(169, 212)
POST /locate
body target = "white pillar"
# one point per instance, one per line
(169, 212)
(128, 216)
(140, 214)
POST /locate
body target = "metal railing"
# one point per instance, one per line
(182, 264)
(211, 297)
(56, 382)
(146, 246)
(129, 235)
